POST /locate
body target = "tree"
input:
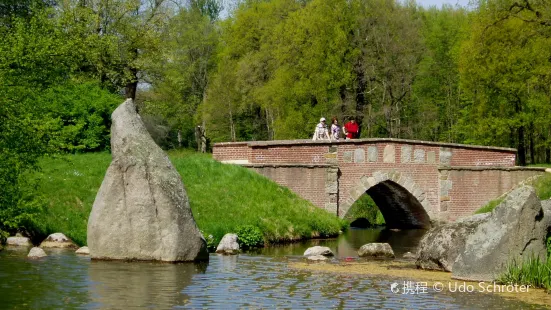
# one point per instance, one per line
(436, 94)
(180, 74)
(505, 72)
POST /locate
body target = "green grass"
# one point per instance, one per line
(531, 271)
(490, 206)
(542, 185)
(223, 198)
(365, 208)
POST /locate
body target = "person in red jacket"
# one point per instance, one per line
(351, 129)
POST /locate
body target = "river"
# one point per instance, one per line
(258, 279)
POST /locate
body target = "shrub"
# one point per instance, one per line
(212, 243)
(249, 236)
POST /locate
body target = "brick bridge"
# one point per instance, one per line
(412, 182)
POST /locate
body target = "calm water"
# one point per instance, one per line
(254, 280)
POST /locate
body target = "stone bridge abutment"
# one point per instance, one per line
(412, 182)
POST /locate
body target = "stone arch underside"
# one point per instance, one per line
(402, 203)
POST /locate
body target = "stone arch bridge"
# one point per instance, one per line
(412, 182)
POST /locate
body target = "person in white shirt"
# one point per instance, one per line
(321, 132)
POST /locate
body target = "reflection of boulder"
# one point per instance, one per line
(516, 229)
(119, 285)
(442, 244)
(141, 211)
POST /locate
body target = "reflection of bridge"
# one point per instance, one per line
(412, 182)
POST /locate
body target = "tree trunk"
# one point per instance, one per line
(532, 151)
(521, 148)
(132, 86)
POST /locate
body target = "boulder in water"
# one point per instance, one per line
(58, 240)
(18, 241)
(141, 211)
(228, 245)
(83, 251)
(441, 245)
(377, 250)
(318, 250)
(36, 252)
(515, 230)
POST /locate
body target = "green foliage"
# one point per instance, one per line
(79, 114)
(211, 242)
(543, 186)
(530, 271)
(365, 208)
(548, 244)
(249, 236)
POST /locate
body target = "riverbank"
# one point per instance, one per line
(406, 271)
(223, 198)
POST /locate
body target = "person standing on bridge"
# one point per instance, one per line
(321, 132)
(335, 129)
(351, 129)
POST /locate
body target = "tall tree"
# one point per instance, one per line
(505, 70)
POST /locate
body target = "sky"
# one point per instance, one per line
(438, 3)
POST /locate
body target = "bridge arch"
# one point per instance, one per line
(402, 203)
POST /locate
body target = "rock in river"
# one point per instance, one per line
(58, 240)
(83, 251)
(228, 245)
(516, 229)
(318, 250)
(441, 245)
(379, 250)
(141, 211)
(18, 241)
(36, 252)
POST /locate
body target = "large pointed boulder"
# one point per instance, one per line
(141, 211)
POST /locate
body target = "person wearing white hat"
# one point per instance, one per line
(321, 132)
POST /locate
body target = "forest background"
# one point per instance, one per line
(267, 70)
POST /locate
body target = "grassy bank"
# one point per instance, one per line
(223, 198)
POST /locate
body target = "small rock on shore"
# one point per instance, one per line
(318, 250)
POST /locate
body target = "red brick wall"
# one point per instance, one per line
(230, 151)
(472, 188)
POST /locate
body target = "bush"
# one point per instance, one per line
(79, 115)
(212, 243)
(249, 236)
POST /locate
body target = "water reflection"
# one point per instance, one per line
(139, 284)
(64, 280)
(347, 244)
